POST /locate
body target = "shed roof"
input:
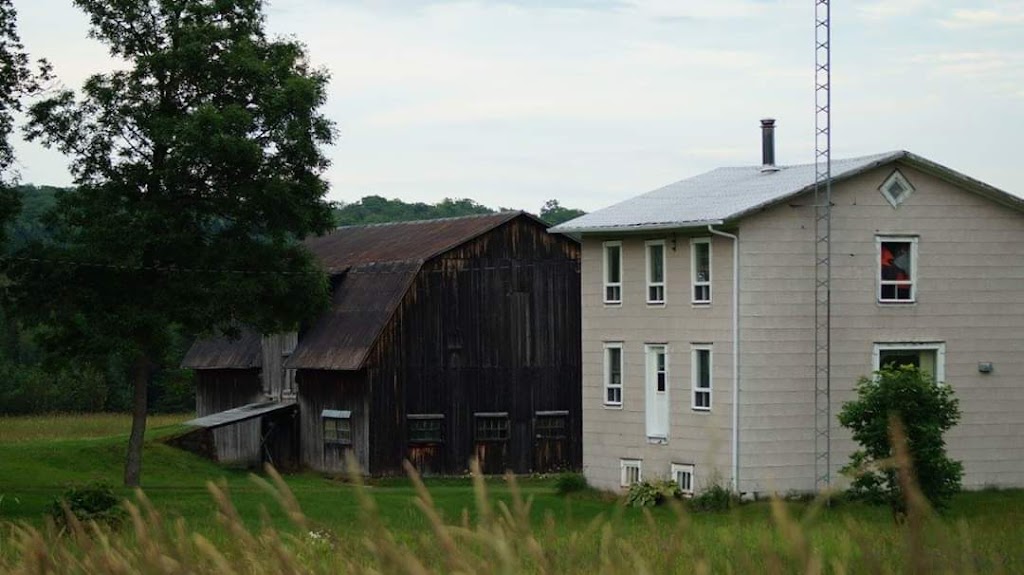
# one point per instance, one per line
(726, 194)
(372, 267)
(222, 352)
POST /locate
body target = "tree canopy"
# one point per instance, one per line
(198, 170)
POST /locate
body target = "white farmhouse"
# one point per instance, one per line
(927, 268)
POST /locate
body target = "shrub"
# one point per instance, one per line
(93, 502)
(648, 494)
(570, 482)
(926, 410)
(716, 497)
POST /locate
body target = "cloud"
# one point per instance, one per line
(886, 9)
(1001, 14)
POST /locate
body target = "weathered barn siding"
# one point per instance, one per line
(491, 326)
(339, 390)
(274, 349)
(221, 389)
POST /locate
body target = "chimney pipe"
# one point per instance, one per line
(768, 145)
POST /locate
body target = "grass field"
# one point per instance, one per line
(586, 532)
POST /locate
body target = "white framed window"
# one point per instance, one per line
(896, 189)
(701, 376)
(929, 357)
(682, 474)
(897, 268)
(612, 272)
(700, 270)
(655, 271)
(613, 374)
(631, 472)
(657, 395)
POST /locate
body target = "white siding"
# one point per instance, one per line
(611, 434)
(970, 296)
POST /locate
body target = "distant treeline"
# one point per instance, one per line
(32, 381)
(377, 210)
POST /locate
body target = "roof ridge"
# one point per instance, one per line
(808, 164)
(504, 213)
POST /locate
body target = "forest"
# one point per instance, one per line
(34, 380)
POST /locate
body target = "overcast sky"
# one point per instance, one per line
(515, 102)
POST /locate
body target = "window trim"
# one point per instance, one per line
(606, 361)
(410, 417)
(694, 284)
(896, 176)
(604, 272)
(912, 240)
(629, 463)
(539, 415)
(694, 366)
(501, 416)
(336, 415)
(684, 468)
(649, 268)
(939, 347)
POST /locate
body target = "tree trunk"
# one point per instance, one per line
(133, 462)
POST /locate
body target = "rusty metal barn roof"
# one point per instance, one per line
(361, 306)
(372, 268)
(225, 353)
(417, 241)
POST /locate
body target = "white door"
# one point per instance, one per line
(657, 391)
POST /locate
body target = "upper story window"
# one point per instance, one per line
(701, 377)
(656, 271)
(612, 272)
(613, 374)
(897, 269)
(700, 269)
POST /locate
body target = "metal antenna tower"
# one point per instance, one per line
(822, 245)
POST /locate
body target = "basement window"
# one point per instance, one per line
(337, 427)
(682, 474)
(630, 472)
(897, 269)
(613, 272)
(551, 424)
(700, 269)
(492, 426)
(425, 427)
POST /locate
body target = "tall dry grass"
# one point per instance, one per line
(498, 537)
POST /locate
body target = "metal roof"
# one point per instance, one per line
(726, 194)
(223, 352)
(417, 241)
(372, 267)
(239, 414)
(361, 304)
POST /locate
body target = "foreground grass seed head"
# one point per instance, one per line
(500, 535)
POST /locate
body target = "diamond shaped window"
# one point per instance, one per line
(896, 189)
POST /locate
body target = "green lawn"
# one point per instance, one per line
(39, 457)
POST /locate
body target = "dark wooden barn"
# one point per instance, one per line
(445, 340)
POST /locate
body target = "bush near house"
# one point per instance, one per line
(925, 410)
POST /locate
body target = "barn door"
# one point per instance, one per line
(551, 449)
(426, 435)
(491, 437)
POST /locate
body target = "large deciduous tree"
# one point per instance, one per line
(199, 169)
(17, 79)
